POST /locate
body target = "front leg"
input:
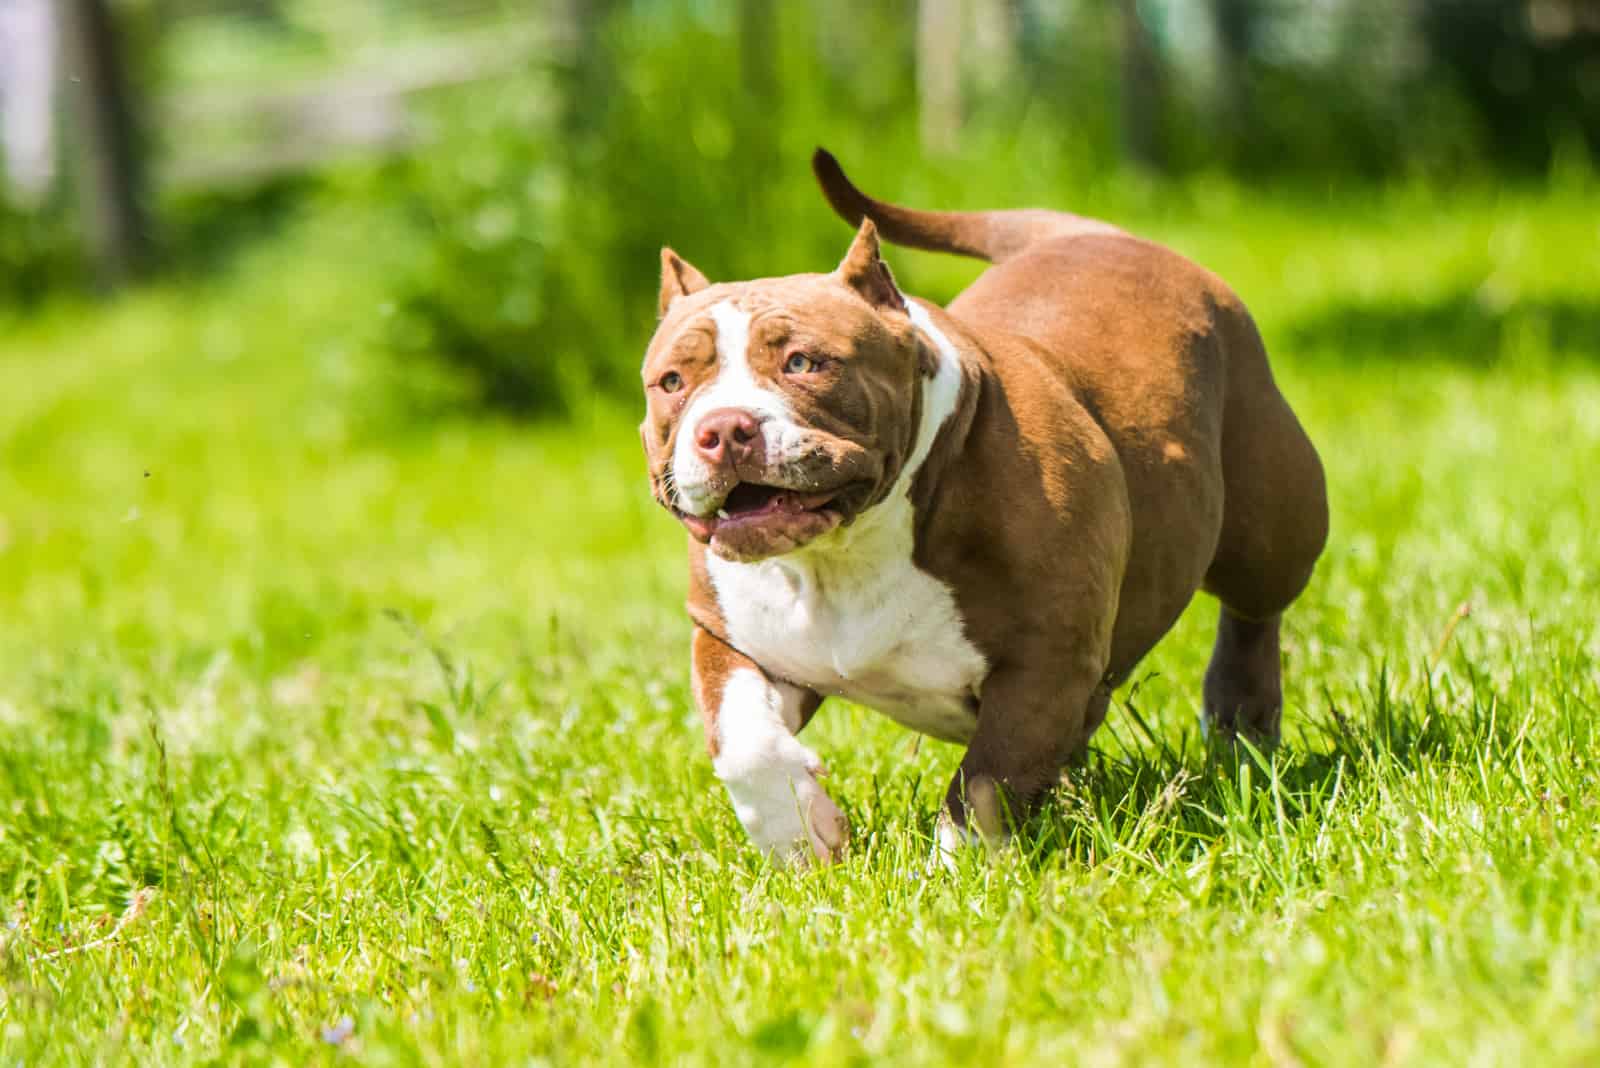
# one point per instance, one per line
(1032, 717)
(750, 723)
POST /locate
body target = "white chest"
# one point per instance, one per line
(852, 615)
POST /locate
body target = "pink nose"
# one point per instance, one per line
(728, 436)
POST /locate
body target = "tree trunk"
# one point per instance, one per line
(584, 75)
(996, 27)
(1234, 23)
(758, 53)
(758, 76)
(109, 175)
(27, 96)
(1141, 91)
(939, 74)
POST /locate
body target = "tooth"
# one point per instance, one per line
(722, 513)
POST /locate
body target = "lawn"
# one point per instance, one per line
(329, 729)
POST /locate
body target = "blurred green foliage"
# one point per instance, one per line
(39, 252)
(543, 203)
(489, 293)
(521, 271)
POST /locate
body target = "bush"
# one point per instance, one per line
(485, 297)
(39, 251)
(542, 226)
(543, 204)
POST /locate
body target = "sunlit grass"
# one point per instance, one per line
(327, 732)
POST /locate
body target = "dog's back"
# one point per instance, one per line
(1168, 361)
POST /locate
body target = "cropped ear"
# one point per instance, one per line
(678, 279)
(864, 271)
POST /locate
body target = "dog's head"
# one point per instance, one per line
(781, 408)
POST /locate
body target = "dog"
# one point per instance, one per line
(974, 519)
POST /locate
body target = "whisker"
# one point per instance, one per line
(669, 486)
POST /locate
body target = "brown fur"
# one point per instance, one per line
(711, 661)
(1119, 444)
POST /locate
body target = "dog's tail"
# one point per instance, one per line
(986, 235)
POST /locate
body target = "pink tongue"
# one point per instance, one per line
(702, 528)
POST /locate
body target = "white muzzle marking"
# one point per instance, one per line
(734, 387)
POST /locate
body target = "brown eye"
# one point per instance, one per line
(799, 363)
(671, 382)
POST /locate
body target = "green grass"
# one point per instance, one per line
(385, 721)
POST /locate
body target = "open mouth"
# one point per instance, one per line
(751, 504)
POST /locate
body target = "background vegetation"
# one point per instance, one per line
(554, 148)
(342, 717)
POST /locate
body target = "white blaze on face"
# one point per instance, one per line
(734, 387)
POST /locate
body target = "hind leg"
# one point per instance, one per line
(1244, 682)
(1274, 526)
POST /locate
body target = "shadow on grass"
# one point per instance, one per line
(1160, 802)
(1476, 328)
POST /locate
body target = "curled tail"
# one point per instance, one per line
(985, 235)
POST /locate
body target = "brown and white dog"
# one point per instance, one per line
(976, 520)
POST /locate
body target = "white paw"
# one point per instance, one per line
(787, 813)
(782, 806)
(772, 778)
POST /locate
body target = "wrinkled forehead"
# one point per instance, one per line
(809, 309)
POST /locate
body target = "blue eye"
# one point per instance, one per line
(671, 382)
(799, 363)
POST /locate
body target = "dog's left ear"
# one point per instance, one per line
(678, 279)
(864, 271)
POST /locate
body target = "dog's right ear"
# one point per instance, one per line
(864, 271)
(678, 279)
